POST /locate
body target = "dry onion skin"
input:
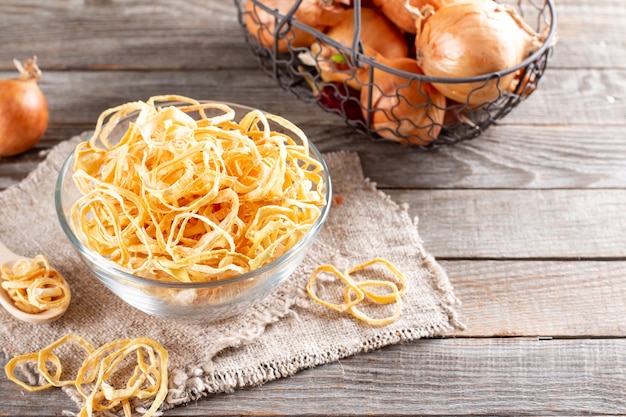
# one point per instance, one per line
(23, 110)
(111, 377)
(467, 38)
(450, 40)
(187, 200)
(318, 14)
(355, 292)
(34, 286)
(379, 37)
(262, 25)
(401, 109)
(397, 11)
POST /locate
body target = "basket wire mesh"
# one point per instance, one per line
(291, 63)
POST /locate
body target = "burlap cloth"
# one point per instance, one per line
(279, 337)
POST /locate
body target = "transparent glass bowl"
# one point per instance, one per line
(203, 301)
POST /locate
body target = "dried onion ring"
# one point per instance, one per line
(148, 380)
(357, 291)
(16, 361)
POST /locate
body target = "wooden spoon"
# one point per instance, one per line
(8, 258)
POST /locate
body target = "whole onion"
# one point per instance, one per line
(470, 38)
(405, 110)
(318, 14)
(377, 33)
(378, 36)
(23, 110)
(397, 12)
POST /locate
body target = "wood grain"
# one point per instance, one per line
(505, 376)
(540, 298)
(560, 149)
(518, 224)
(505, 157)
(68, 34)
(450, 377)
(527, 220)
(591, 35)
(205, 34)
(573, 97)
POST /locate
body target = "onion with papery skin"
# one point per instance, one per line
(378, 36)
(377, 33)
(23, 110)
(469, 38)
(397, 13)
(405, 110)
(318, 14)
(325, 13)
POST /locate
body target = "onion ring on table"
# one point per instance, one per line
(378, 299)
(356, 292)
(397, 274)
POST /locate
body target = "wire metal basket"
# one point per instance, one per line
(289, 52)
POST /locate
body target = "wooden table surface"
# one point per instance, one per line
(529, 220)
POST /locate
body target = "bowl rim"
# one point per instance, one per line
(112, 268)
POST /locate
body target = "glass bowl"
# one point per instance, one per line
(206, 301)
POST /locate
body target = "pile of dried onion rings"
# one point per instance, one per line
(189, 194)
(34, 286)
(356, 292)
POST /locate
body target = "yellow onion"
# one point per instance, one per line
(405, 110)
(377, 33)
(318, 14)
(396, 11)
(23, 110)
(378, 36)
(468, 38)
(321, 13)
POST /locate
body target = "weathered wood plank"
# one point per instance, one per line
(499, 298)
(205, 34)
(572, 97)
(511, 155)
(541, 298)
(508, 376)
(575, 97)
(451, 377)
(518, 224)
(68, 34)
(504, 157)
